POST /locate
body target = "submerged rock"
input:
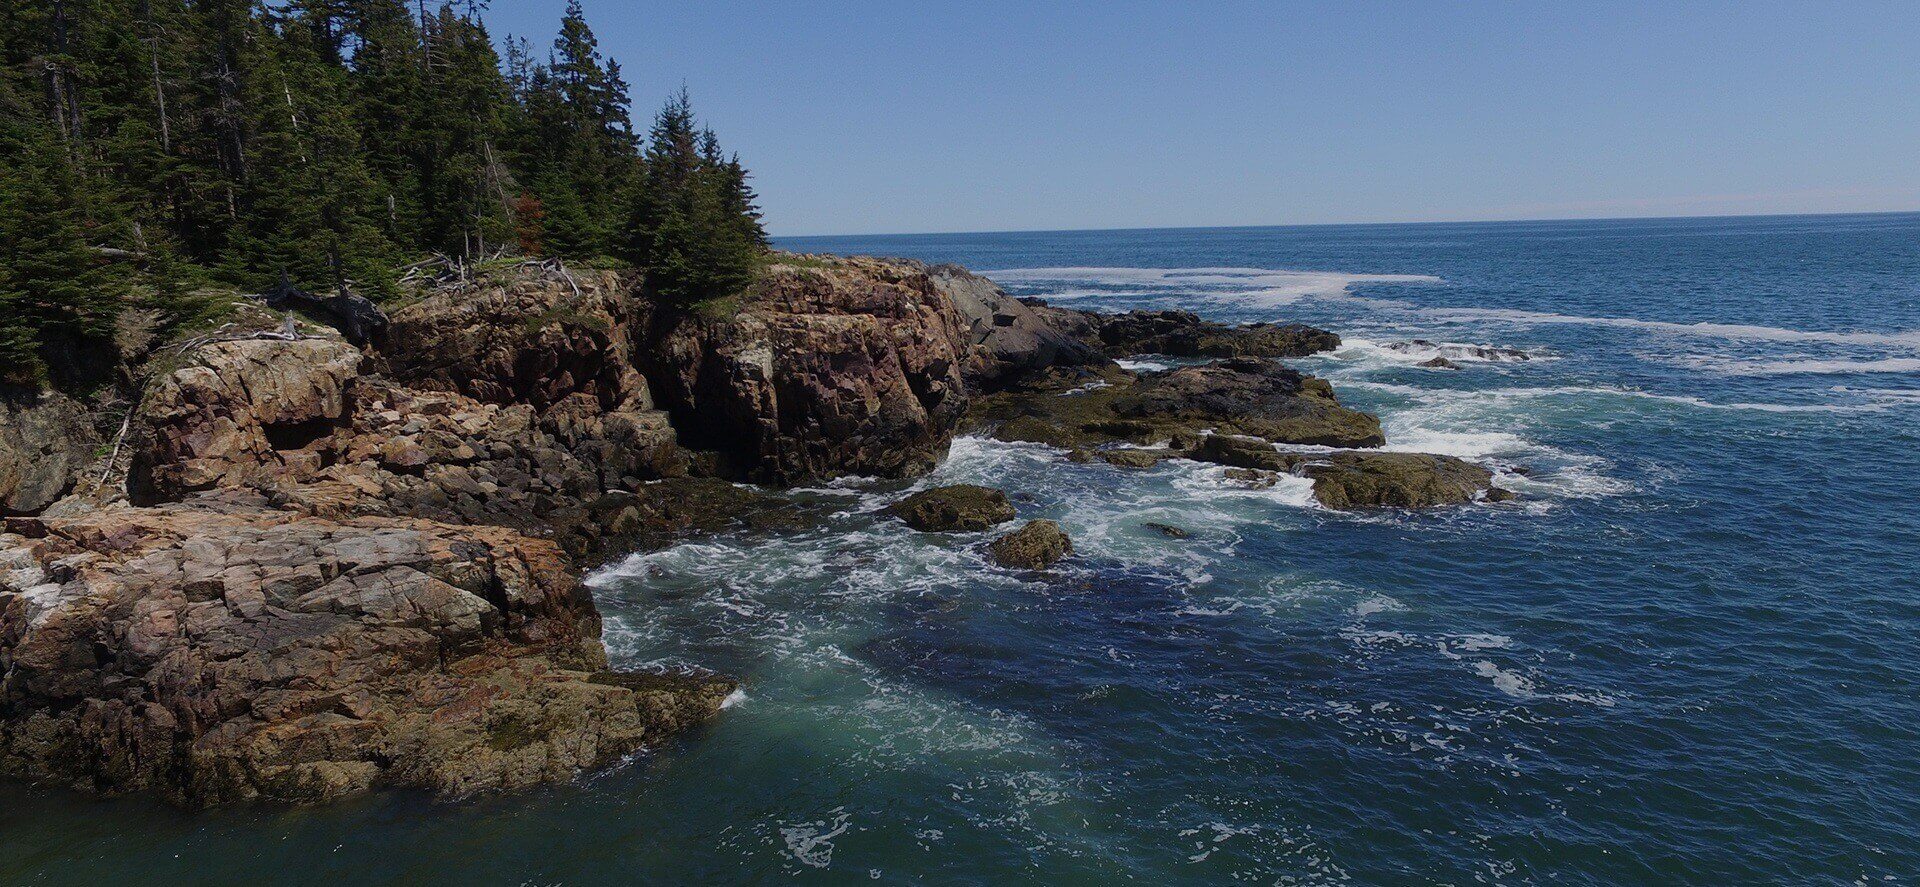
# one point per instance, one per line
(1038, 545)
(957, 508)
(1168, 530)
(1440, 363)
(1447, 349)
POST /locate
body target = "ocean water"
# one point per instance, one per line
(1689, 654)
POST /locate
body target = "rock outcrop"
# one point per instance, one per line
(1038, 545)
(1359, 479)
(1012, 341)
(828, 367)
(217, 650)
(46, 440)
(1242, 395)
(954, 509)
(1185, 334)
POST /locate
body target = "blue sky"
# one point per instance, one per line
(904, 116)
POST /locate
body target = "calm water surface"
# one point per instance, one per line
(1688, 655)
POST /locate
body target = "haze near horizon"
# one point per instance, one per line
(870, 118)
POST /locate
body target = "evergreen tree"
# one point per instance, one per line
(147, 145)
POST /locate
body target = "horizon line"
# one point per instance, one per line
(1702, 216)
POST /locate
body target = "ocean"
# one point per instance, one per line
(1689, 653)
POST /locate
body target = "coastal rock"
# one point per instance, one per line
(1134, 457)
(535, 334)
(236, 411)
(957, 508)
(1168, 530)
(46, 441)
(1011, 341)
(1241, 395)
(214, 651)
(1361, 479)
(1038, 545)
(827, 368)
(1185, 334)
(1440, 363)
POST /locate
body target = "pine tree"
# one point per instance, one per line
(55, 289)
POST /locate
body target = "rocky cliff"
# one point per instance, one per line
(307, 568)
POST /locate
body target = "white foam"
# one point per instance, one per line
(1262, 287)
(1816, 367)
(1408, 352)
(1903, 339)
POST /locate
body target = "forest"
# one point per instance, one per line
(152, 150)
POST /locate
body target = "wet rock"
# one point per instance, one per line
(1500, 494)
(1184, 334)
(1242, 395)
(1357, 479)
(957, 508)
(1253, 477)
(1168, 530)
(1440, 363)
(1451, 350)
(1038, 545)
(1136, 458)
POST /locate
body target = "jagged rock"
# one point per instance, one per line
(214, 651)
(46, 441)
(957, 508)
(531, 334)
(1168, 530)
(1010, 340)
(1241, 395)
(229, 415)
(1038, 545)
(828, 367)
(1184, 334)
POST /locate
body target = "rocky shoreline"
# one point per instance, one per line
(303, 569)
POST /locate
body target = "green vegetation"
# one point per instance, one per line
(149, 148)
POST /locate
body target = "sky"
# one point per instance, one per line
(926, 115)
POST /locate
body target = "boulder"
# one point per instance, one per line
(46, 442)
(1038, 545)
(957, 508)
(1356, 479)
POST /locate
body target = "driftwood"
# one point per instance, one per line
(354, 316)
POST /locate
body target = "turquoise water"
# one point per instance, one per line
(1688, 655)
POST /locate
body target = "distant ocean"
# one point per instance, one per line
(1690, 653)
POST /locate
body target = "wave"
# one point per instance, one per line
(1816, 367)
(1262, 287)
(1420, 351)
(1903, 339)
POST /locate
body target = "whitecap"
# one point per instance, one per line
(1262, 287)
(1904, 339)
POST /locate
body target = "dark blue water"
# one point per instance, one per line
(1687, 655)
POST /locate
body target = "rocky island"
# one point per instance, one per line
(306, 568)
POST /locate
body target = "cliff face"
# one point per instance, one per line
(831, 367)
